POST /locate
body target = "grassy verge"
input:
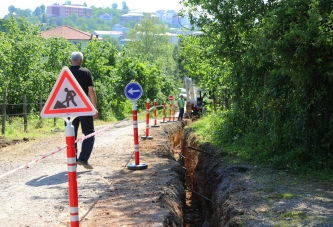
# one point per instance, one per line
(41, 128)
(36, 128)
(256, 149)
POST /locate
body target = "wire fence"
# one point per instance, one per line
(36, 108)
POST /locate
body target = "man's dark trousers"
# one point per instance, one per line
(181, 114)
(87, 126)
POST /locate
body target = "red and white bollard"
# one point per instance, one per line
(137, 165)
(174, 110)
(164, 112)
(147, 136)
(72, 183)
(170, 112)
(155, 125)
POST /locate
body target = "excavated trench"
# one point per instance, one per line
(206, 182)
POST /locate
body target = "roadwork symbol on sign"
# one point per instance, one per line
(67, 98)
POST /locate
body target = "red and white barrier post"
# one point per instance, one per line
(137, 165)
(174, 110)
(170, 97)
(170, 111)
(155, 125)
(72, 183)
(164, 112)
(147, 136)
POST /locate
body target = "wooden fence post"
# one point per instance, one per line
(25, 113)
(4, 101)
(40, 104)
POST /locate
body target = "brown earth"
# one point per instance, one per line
(187, 183)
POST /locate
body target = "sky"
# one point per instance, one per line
(135, 5)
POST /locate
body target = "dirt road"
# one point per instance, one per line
(109, 195)
(220, 190)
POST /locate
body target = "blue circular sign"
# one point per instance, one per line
(133, 91)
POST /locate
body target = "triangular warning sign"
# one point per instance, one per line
(67, 98)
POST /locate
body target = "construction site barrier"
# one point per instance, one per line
(174, 110)
(155, 114)
(164, 112)
(72, 182)
(136, 165)
(170, 111)
(78, 140)
(147, 136)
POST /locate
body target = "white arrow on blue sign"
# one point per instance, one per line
(133, 91)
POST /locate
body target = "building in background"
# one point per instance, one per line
(64, 11)
(137, 17)
(114, 34)
(172, 18)
(181, 21)
(173, 38)
(120, 28)
(106, 17)
(71, 34)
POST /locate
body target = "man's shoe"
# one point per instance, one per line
(84, 164)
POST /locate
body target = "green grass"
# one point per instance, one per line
(36, 127)
(45, 127)
(220, 131)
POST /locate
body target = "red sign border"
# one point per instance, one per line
(67, 74)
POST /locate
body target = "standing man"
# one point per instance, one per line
(181, 107)
(84, 78)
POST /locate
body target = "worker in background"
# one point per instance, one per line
(181, 104)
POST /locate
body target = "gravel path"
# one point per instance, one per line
(38, 195)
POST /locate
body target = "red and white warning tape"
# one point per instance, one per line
(32, 162)
(79, 140)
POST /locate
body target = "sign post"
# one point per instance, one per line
(133, 91)
(68, 100)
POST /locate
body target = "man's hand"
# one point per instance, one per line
(96, 114)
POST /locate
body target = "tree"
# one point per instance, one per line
(125, 8)
(68, 3)
(100, 58)
(275, 58)
(11, 9)
(44, 18)
(37, 11)
(149, 40)
(114, 41)
(23, 12)
(114, 6)
(42, 9)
